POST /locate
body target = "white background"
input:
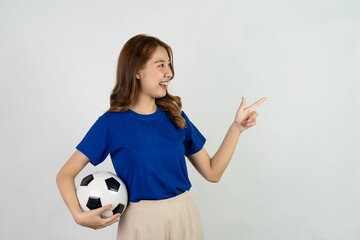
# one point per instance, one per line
(295, 175)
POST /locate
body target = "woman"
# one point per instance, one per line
(148, 136)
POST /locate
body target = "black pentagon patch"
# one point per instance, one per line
(86, 180)
(119, 209)
(93, 203)
(112, 184)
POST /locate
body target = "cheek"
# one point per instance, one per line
(150, 83)
(152, 79)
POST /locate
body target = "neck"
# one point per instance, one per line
(145, 108)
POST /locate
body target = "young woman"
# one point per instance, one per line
(148, 136)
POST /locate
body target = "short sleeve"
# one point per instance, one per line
(95, 144)
(194, 140)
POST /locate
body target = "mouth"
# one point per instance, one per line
(163, 85)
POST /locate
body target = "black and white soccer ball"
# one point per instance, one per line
(102, 188)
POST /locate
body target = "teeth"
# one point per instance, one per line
(164, 84)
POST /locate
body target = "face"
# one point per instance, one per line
(157, 70)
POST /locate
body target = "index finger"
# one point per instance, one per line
(257, 103)
(110, 219)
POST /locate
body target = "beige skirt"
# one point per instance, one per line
(175, 218)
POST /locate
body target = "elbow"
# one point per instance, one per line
(213, 176)
(214, 179)
(61, 176)
(58, 178)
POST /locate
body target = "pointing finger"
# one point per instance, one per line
(257, 103)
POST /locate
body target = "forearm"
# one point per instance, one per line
(222, 157)
(67, 190)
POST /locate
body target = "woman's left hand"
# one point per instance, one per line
(246, 118)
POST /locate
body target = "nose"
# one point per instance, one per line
(169, 73)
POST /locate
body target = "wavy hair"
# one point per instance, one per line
(134, 55)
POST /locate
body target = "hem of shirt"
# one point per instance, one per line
(86, 154)
(197, 149)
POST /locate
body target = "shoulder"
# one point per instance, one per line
(183, 114)
(113, 118)
(106, 116)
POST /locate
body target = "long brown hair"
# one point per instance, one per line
(133, 56)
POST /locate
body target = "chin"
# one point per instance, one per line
(163, 95)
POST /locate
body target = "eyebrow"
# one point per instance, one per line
(161, 60)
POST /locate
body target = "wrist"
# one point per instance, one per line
(77, 215)
(236, 127)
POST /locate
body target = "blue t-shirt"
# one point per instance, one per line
(147, 151)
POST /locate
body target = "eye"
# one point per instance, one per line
(163, 65)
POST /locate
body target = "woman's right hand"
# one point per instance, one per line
(92, 218)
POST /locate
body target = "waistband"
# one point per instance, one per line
(172, 200)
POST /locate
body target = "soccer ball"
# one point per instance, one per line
(102, 188)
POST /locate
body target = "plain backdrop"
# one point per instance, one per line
(295, 175)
